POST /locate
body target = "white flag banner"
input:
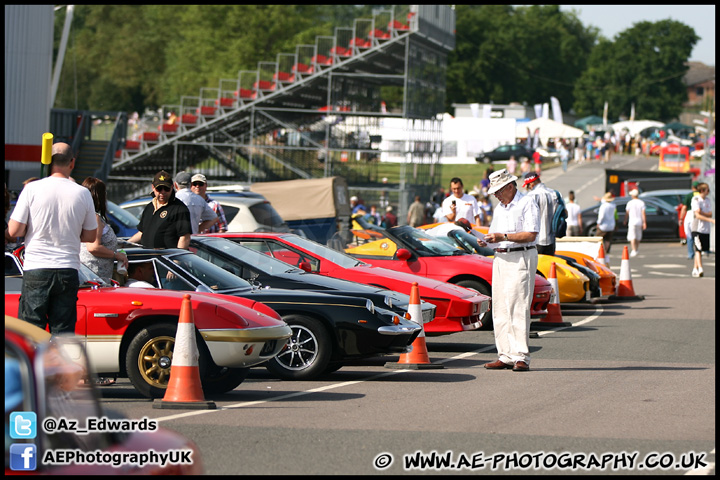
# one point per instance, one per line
(538, 110)
(605, 111)
(632, 112)
(546, 111)
(556, 110)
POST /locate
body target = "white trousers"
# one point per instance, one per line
(513, 285)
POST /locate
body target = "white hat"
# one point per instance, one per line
(499, 179)
(634, 192)
(198, 177)
(353, 198)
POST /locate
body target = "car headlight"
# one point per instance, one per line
(370, 306)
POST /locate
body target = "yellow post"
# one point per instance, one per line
(46, 158)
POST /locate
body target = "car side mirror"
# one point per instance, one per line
(305, 265)
(403, 254)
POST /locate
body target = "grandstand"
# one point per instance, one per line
(315, 112)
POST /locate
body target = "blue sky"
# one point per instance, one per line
(613, 19)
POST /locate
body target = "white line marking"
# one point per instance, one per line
(598, 312)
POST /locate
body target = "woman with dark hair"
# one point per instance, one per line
(101, 254)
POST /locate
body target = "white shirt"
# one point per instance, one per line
(606, 216)
(56, 210)
(520, 215)
(200, 210)
(573, 210)
(702, 205)
(633, 210)
(465, 207)
(547, 201)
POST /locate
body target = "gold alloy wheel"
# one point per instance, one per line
(155, 359)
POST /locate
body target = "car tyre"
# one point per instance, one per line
(223, 379)
(149, 358)
(307, 352)
(487, 320)
(487, 160)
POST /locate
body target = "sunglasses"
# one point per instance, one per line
(163, 188)
(198, 184)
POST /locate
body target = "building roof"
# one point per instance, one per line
(698, 73)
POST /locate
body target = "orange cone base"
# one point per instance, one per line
(417, 359)
(625, 291)
(552, 319)
(184, 390)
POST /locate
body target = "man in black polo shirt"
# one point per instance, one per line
(165, 222)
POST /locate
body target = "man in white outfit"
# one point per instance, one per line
(460, 204)
(512, 234)
(635, 220)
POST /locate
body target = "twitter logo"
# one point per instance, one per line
(23, 425)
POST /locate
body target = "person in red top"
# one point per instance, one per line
(538, 161)
(390, 219)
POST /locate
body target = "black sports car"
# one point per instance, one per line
(328, 329)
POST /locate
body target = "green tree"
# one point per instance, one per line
(644, 66)
(506, 54)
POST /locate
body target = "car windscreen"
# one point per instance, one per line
(342, 259)
(266, 215)
(207, 247)
(422, 243)
(123, 216)
(214, 277)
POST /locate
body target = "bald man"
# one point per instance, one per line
(55, 215)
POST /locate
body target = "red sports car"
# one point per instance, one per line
(43, 379)
(458, 308)
(130, 332)
(411, 250)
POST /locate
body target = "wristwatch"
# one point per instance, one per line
(506, 239)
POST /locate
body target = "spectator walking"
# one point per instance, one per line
(538, 161)
(390, 219)
(198, 185)
(686, 218)
(486, 208)
(525, 166)
(606, 221)
(460, 204)
(574, 218)
(702, 218)
(55, 215)
(512, 234)
(165, 221)
(546, 200)
(635, 220)
(511, 166)
(373, 215)
(485, 182)
(202, 216)
(564, 156)
(416, 213)
(100, 255)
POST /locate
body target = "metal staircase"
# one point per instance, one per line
(312, 113)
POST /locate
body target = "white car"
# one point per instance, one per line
(244, 211)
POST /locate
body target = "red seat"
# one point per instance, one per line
(118, 153)
(207, 111)
(188, 118)
(264, 85)
(322, 60)
(395, 24)
(360, 43)
(132, 145)
(150, 136)
(245, 93)
(225, 102)
(301, 68)
(341, 51)
(284, 77)
(379, 34)
(169, 128)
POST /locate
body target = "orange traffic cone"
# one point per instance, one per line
(625, 290)
(184, 389)
(554, 315)
(601, 256)
(417, 358)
